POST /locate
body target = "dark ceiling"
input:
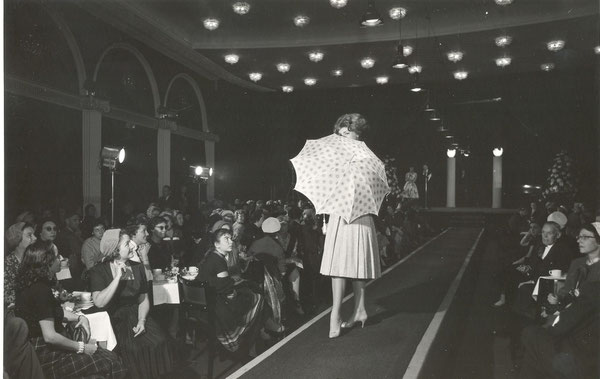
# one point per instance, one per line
(266, 35)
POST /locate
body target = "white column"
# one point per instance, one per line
(497, 178)
(210, 162)
(163, 156)
(91, 145)
(451, 179)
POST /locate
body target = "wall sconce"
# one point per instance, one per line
(498, 151)
(451, 153)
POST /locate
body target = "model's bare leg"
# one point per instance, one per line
(335, 319)
(360, 312)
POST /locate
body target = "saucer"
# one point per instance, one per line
(84, 306)
(189, 277)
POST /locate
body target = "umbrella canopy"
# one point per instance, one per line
(340, 176)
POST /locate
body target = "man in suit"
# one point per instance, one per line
(553, 255)
(567, 345)
(167, 201)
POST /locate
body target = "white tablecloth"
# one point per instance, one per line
(537, 284)
(101, 329)
(164, 292)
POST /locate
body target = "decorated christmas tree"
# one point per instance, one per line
(561, 184)
(392, 178)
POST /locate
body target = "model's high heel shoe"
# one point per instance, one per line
(335, 333)
(353, 323)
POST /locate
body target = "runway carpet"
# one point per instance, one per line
(401, 305)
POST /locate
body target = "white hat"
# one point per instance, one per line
(271, 225)
(559, 218)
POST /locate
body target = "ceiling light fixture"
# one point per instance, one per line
(241, 7)
(433, 116)
(382, 79)
(503, 61)
(503, 2)
(555, 45)
(414, 69)
(287, 89)
(461, 75)
(255, 76)
(283, 67)
(502, 41)
(337, 72)
(416, 87)
(315, 56)
(371, 17)
(367, 62)
(407, 50)
(338, 3)
(211, 23)
(597, 49)
(301, 20)
(232, 58)
(547, 66)
(397, 13)
(455, 56)
(310, 81)
(400, 61)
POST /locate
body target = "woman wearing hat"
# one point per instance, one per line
(119, 286)
(18, 237)
(60, 356)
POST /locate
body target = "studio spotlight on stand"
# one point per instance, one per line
(110, 156)
(200, 173)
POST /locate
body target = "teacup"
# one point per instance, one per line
(157, 271)
(64, 263)
(86, 297)
(555, 273)
(193, 270)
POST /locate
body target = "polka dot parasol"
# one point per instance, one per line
(341, 176)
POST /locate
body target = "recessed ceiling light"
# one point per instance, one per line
(502, 41)
(503, 2)
(547, 66)
(283, 67)
(461, 75)
(287, 89)
(397, 13)
(455, 56)
(382, 79)
(310, 81)
(503, 61)
(315, 56)
(255, 76)
(597, 49)
(241, 7)
(232, 58)
(211, 23)
(337, 72)
(338, 3)
(301, 20)
(367, 62)
(414, 69)
(555, 45)
(407, 50)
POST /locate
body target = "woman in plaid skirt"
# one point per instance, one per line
(60, 356)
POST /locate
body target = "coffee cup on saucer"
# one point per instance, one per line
(555, 273)
(86, 297)
(193, 270)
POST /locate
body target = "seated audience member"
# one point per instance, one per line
(153, 210)
(60, 356)
(537, 214)
(89, 218)
(46, 231)
(18, 237)
(90, 250)
(136, 228)
(552, 256)
(567, 345)
(69, 244)
(238, 226)
(119, 286)
(582, 270)
(269, 244)
(158, 255)
(173, 239)
(561, 219)
(20, 360)
(238, 308)
(252, 231)
(289, 242)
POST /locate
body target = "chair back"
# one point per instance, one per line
(195, 293)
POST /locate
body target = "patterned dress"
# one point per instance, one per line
(11, 268)
(410, 190)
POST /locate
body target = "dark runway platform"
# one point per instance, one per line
(406, 307)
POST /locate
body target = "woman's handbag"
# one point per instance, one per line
(77, 333)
